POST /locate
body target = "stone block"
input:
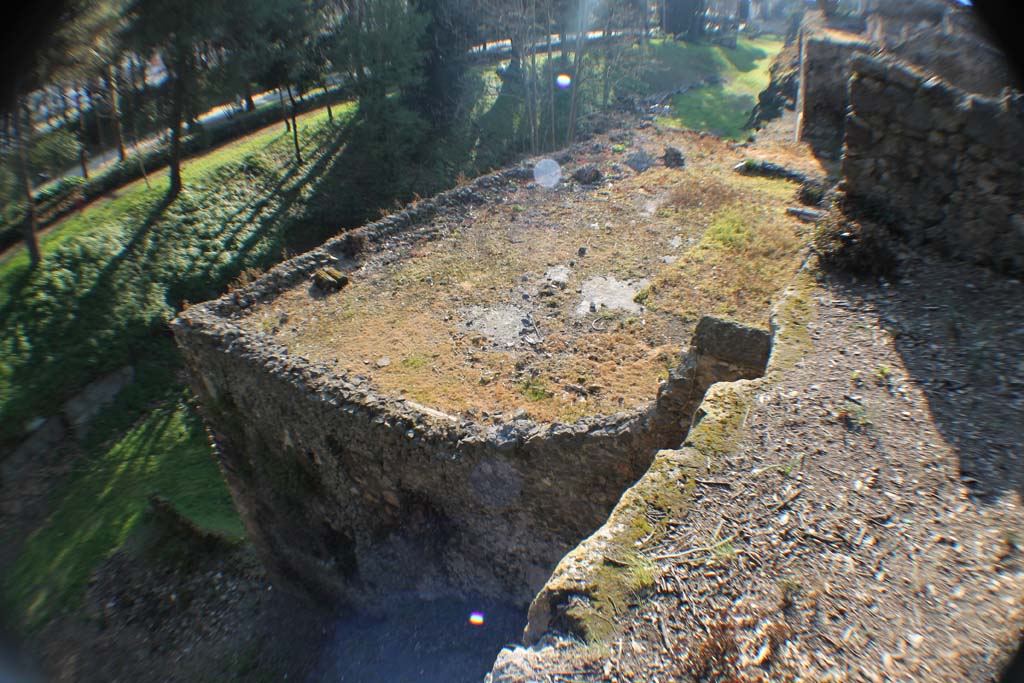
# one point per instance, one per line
(869, 66)
(866, 98)
(904, 77)
(981, 121)
(859, 134)
(732, 342)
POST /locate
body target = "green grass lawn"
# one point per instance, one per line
(149, 442)
(110, 279)
(722, 109)
(113, 274)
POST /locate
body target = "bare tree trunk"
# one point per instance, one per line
(551, 81)
(82, 156)
(177, 114)
(609, 63)
(128, 115)
(697, 21)
(327, 99)
(250, 104)
(96, 115)
(534, 100)
(115, 110)
(23, 127)
(577, 76)
(135, 124)
(284, 112)
(295, 127)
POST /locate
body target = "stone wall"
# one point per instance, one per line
(590, 587)
(931, 35)
(948, 165)
(354, 496)
(953, 47)
(822, 98)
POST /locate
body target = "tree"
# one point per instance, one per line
(23, 139)
(684, 17)
(54, 152)
(373, 47)
(71, 51)
(298, 54)
(175, 30)
(244, 38)
(451, 29)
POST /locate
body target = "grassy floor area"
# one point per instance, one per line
(114, 273)
(723, 108)
(706, 241)
(150, 442)
(111, 276)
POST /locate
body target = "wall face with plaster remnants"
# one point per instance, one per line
(948, 165)
(823, 95)
(355, 496)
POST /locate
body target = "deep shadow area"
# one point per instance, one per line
(959, 329)
(419, 641)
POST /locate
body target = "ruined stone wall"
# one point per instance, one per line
(822, 99)
(947, 164)
(931, 35)
(953, 47)
(356, 497)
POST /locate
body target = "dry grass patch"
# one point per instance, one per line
(748, 252)
(469, 323)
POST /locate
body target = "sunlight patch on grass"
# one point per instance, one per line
(747, 254)
(114, 272)
(722, 108)
(138, 447)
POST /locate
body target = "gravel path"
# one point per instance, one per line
(869, 525)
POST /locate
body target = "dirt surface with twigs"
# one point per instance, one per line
(868, 524)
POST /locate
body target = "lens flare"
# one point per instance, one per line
(476, 618)
(563, 81)
(547, 173)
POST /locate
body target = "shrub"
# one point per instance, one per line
(54, 152)
(812, 193)
(855, 239)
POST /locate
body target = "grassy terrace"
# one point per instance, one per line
(443, 325)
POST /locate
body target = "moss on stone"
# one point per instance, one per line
(791, 339)
(609, 572)
(720, 419)
(620, 576)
